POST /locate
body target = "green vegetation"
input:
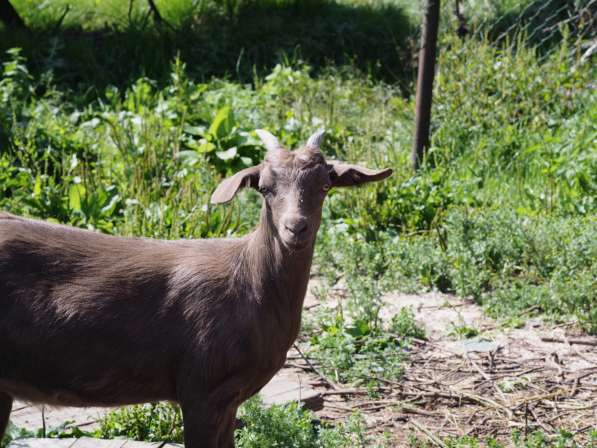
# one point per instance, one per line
(155, 422)
(277, 426)
(504, 209)
(114, 123)
(14, 433)
(101, 43)
(64, 430)
(352, 344)
(290, 426)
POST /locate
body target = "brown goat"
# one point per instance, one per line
(90, 319)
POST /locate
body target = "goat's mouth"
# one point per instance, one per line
(295, 244)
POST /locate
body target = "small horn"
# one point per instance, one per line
(268, 139)
(316, 139)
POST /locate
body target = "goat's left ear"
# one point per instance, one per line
(345, 175)
(225, 192)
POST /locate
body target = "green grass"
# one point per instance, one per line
(99, 132)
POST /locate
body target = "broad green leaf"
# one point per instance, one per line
(37, 187)
(109, 208)
(194, 130)
(75, 193)
(206, 147)
(229, 154)
(223, 123)
(247, 161)
(188, 157)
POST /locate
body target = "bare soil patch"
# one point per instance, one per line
(539, 377)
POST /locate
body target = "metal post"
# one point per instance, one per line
(425, 81)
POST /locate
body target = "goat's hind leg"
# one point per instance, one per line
(5, 408)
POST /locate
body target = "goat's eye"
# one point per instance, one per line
(326, 187)
(265, 190)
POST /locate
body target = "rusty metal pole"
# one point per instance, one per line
(425, 81)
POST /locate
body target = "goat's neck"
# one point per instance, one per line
(279, 277)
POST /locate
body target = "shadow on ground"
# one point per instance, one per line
(377, 40)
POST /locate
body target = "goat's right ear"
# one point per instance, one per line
(225, 192)
(345, 175)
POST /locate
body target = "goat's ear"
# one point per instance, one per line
(225, 192)
(345, 175)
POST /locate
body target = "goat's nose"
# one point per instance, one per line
(296, 226)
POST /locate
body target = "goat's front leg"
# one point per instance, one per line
(5, 408)
(201, 425)
(226, 438)
(209, 421)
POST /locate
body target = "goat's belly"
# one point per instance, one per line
(31, 393)
(81, 393)
(80, 372)
(91, 358)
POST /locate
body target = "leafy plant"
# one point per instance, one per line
(276, 426)
(404, 325)
(156, 422)
(223, 144)
(356, 352)
(290, 426)
(14, 433)
(463, 331)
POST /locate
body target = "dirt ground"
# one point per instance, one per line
(539, 377)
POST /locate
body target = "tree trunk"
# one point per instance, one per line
(10, 16)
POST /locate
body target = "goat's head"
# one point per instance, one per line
(294, 185)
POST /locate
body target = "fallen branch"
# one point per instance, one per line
(428, 433)
(540, 422)
(414, 410)
(345, 392)
(570, 341)
(315, 369)
(487, 401)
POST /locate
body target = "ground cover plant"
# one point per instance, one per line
(98, 132)
(275, 427)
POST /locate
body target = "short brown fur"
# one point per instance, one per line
(89, 319)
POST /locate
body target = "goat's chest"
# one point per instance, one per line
(270, 338)
(249, 341)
